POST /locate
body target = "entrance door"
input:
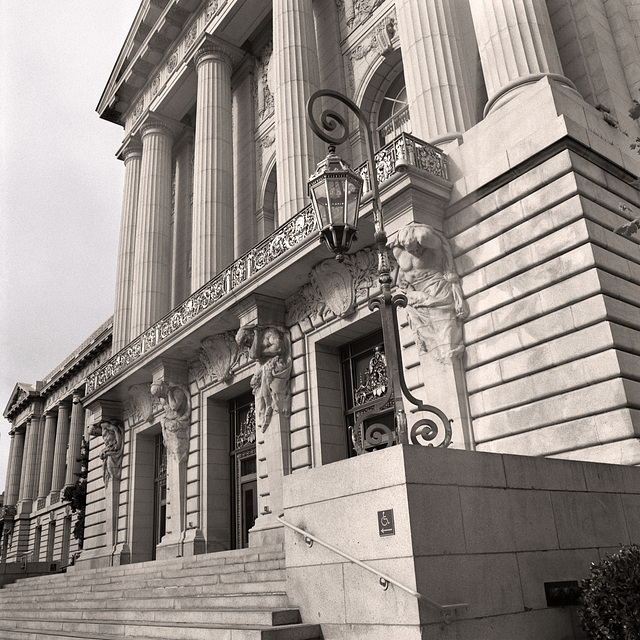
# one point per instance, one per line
(159, 493)
(243, 464)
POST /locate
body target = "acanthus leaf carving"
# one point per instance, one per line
(219, 355)
(140, 407)
(334, 288)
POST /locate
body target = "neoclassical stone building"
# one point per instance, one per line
(240, 351)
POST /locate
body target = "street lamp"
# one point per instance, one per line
(335, 191)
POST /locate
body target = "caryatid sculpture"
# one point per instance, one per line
(176, 421)
(112, 432)
(426, 274)
(270, 347)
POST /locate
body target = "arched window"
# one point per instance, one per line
(393, 116)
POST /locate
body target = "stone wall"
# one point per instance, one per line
(483, 529)
(553, 291)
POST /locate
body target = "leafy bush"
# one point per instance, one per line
(611, 597)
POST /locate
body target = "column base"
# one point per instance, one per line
(102, 558)
(187, 544)
(266, 531)
(514, 88)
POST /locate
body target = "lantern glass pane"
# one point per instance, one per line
(335, 187)
(319, 195)
(353, 202)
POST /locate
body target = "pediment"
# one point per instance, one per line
(20, 392)
(155, 29)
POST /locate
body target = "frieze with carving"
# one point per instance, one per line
(270, 348)
(335, 288)
(112, 432)
(427, 275)
(175, 402)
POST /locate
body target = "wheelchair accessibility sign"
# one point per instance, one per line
(386, 525)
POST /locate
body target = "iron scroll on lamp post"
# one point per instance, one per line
(335, 191)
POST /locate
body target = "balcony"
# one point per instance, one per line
(265, 256)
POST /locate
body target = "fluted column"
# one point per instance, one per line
(244, 172)
(14, 470)
(126, 249)
(38, 454)
(75, 440)
(297, 76)
(516, 44)
(30, 463)
(212, 230)
(62, 440)
(433, 71)
(48, 449)
(182, 217)
(152, 262)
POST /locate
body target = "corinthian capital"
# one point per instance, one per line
(215, 49)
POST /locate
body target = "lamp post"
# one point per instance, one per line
(335, 191)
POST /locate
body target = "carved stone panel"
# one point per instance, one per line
(270, 348)
(427, 275)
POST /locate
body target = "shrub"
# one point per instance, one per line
(610, 599)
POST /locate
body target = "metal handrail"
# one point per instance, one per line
(446, 610)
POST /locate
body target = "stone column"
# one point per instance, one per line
(212, 231)
(244, 172)
(182, 219)
(297, 74)
(14, 469)
(517, 46)
(75, 440)
(152, 263)
(38, 454)
(30, 465)
(132, 157)
(48, 448)
(62, 440)
(433, 70)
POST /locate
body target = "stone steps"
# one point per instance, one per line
(234, 595)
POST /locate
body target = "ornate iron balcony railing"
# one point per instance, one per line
(291, 233)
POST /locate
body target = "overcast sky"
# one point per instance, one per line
(60, 183)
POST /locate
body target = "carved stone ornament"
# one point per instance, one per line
(112, 432)
(335, 288)
(263, 96)
(426, 274)
(219, 354)
(357, 11)
(270, 347)
(140, 407)
(176, 421)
